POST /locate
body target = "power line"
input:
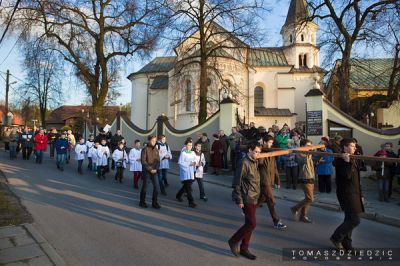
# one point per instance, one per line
(9, 22)
(12, 48)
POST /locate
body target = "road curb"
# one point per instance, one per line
(373, 216)
(44, 245)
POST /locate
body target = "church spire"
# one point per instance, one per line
(297, 12)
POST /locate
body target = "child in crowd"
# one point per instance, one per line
(165, 157)
(198, 174)
(80, 151)
(135, 164)
(103, 153)
(291, 166)
(93, 154)
(187, 163)
(89, 144)
(120, 159)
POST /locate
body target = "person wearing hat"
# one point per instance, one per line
(216, 154)
(324, 168)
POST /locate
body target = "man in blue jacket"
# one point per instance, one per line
(61, 148)
(324, 170)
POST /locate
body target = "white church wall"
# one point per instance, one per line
(139, 100)
(286, 99)
(267, 122)
(158, 104)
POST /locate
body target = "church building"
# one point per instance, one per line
(268, 83)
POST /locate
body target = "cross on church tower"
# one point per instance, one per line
(300, 37)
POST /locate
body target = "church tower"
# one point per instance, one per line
(300, 37)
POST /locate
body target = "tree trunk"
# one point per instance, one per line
(202, 117)
(43, 117)
(344, 79)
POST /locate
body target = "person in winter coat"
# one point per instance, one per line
(26, 138)
(165, 157)
(72, 143)
(205, 149)
(135, 163)
(52, 137)
(198, 173)
(216, 154)
(324, 170)
(80, 152)
(383, 172)
(150, 159)
(307, 177)
(291, 166)
(115, 140)
(187, 165)
(89, 144)
(225, 147)
(234, 139)
(61, 149)
(269, 176)
(13, 143)
(103, 153)
(246, 192)
(388, 147)
(120, 158)
(40, 146)
(349, 194)
(281, 141)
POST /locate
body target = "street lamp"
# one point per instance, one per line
(84, 122)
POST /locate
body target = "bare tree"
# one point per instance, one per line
(205, 29)
(44, 69)
(346, 23)
(93, 35)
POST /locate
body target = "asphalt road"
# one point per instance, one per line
(93, 222)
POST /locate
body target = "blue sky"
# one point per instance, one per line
(10, 58)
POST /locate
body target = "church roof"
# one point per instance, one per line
(370, 74)
(159, 83)
(267, 57)
(158, 64)
(297, 12)
(262, 111)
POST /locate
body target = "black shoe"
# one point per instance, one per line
(143, 204)
(247, 254)
(204, 198)
(305, 219)
(166, 185)
(155, 205)
(338, 245)
(163, 193)
(234, 247)
(192, 205)
(179, 199)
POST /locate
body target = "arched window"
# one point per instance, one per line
(305, 61)
(291, 38)
(188, 99)
(302, 38)
(258, 97)
(300, 60)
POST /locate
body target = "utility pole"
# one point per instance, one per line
(6, 105)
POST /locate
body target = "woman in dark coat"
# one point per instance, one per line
(348, 191)
(216, 154)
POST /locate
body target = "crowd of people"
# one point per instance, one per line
(254, 178)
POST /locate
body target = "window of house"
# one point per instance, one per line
(291, 38)
(305, 61)
(258, 97)
(302, 38)
(188, 99)
(300, 60)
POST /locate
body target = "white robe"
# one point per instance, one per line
(80, 151)
(93, 154)
(103, 153)
(134, 160)
(164, 163)
(186, 171)
(89, 144)
(200, 163)
(120, 155)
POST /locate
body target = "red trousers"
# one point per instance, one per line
(244, 233)
(136, 176)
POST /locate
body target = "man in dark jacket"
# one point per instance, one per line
(348, 191)
(246, 191)
(27, 143)
(114, 144)
(150, 159)
(225, 146)
(269, 176)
